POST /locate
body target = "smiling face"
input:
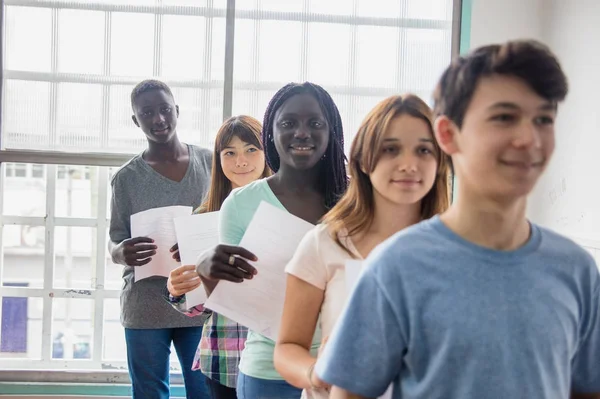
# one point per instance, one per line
(506, 140)
(242, 162)
(407, 165)
(156, 114)
(300, 132)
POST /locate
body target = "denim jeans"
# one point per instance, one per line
(148, 353)
(256, 388)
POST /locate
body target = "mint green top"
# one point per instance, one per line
(236, 214)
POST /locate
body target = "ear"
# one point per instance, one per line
(446, 133)
(134, 119)
(177, 109)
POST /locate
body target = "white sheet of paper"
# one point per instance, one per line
(273, 236)
(196, 234)
(353, 272)
(157, 223)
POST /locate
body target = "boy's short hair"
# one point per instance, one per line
(529, 60)
(149, 85)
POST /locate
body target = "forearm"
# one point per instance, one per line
(339, 393)
(293, 361)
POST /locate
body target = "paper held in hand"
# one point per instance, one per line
(273, 236)
(157, 223)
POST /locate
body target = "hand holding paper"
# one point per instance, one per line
(157, 224)
(273, 236)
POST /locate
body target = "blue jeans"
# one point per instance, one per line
(256, 388)
(148, 360)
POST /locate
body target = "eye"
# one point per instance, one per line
(504, 118)
(424, 151)
(167, 110)
(390, 150)
(147, 113)
(252, 149)
(318, 124)
(228, 153)
(286, 124)
(544, 120)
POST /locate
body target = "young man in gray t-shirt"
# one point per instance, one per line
(478, 302)
(167, 173)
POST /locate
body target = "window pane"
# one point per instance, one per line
(376, 65)
(79, 119)
(113, 273)
(74, 257)
(132, 44)
(251, 102)
(23, 255)
(28, 38)
(123, 134)
(379, 8)
(26, 117)
(329, 53)
(80, 41)
(38, 171)
(77, 191)
(20, 329)
(270, 5)
(113, 342)
(331, 7)
(72, 328)
(429, 9)
(184, 46)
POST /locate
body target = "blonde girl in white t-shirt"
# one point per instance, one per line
(398, 177)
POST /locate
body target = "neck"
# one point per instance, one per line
(499, 225)
(169, 151)
(389, 218)
(295, 180)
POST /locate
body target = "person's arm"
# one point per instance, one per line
(339, 393)
(586, 364)
(370, 335)
(123, 249)
(293, 359)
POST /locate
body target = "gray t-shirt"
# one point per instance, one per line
(443, 318)
(137, 187)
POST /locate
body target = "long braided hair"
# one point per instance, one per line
(333, 182)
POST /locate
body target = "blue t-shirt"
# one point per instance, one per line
(441, 317)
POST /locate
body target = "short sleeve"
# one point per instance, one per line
(586, 364)
(364, 353)
(306, 264)
(230, 229)
(120, 228)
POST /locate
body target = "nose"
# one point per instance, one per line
(241, 161)
(302, 132)
(158, 119)
(527, 136)
(407, 163)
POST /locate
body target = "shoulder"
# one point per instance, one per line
(565, 253)
(255, 191)
(200, 152)
(127, 170)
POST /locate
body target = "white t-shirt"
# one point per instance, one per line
(320, 261)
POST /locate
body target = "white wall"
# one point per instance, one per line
(567, 199)
(495, 21)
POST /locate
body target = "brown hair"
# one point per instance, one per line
(249, 131)
(529, 60)
(356, 209)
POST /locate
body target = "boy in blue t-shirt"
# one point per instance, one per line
(478, 302)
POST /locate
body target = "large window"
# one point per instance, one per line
(68, 69)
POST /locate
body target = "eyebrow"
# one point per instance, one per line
(294, 114)
(231, 147)
(546, 106)
(391, 139)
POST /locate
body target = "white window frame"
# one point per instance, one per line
(21, 369)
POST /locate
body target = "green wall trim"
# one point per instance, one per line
(465, 26)
(75, 389)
